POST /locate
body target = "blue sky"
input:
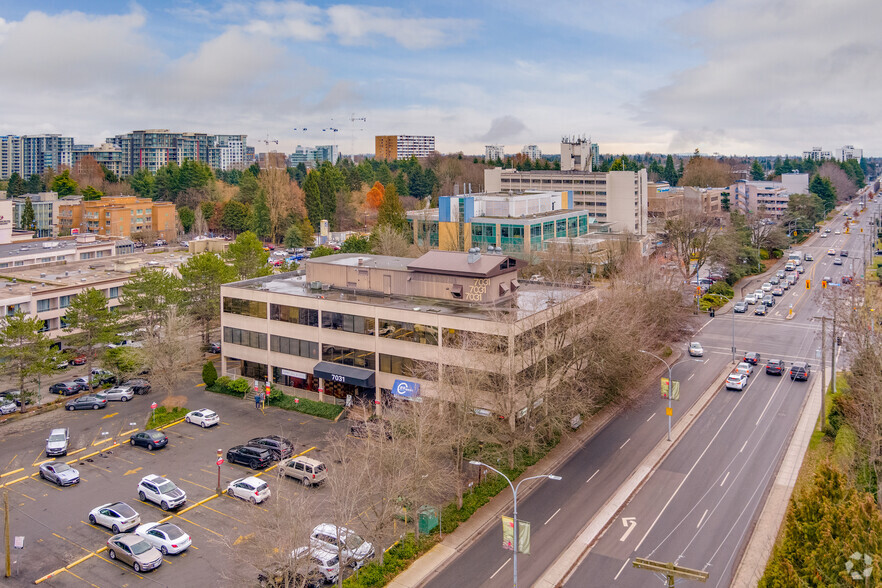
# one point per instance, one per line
(727, 76)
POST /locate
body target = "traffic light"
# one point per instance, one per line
(824, 284)
(808, 284)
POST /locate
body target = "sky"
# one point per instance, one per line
(735, 77)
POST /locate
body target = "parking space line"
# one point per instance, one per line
(74, 452)
(10, 463)
(120, 566)
(196, 484)
(93, 453)
(171, 424)
(26, 496)
(105, 440)
(10, 483)
(129, 432)
(200, 503)
(198, 525)
(225, 514)
(79, 578)
(12, 472)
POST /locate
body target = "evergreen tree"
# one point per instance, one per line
(64, 185)
(756, 171)
(26, 353)
(248, 187)
(187, 218)
(202, 276)
(260, 217)
(92, 325)
(401, 184)
(391, 212)
(35, 184)
(90, 193)
(143, 184)
(313, 199)
(670, 173)
(236, 217)
(384, 175)
(328, 195)
(248, 257)
(27, 215)
(823, 188)
(16, 186)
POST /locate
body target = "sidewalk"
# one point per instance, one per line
(439, 556)
(762, 540)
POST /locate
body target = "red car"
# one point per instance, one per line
(79, 360)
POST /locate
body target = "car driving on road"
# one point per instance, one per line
(740, 306)
(736, 381)
(695, 349)
(775, 367)
(752, 357)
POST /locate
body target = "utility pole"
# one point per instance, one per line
(823, 370)
(670, 571)
(6, 530)
(833, 353)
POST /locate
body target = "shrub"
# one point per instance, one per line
(239, 386)
(163, 416)
(721, 287)
(319, 409)
(209, 373)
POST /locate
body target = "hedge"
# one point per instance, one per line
(240, 386)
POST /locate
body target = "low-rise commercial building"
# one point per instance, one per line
(769, 198)
(360, 326)
(46, 207)
(120, 216)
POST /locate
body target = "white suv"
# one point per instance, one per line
(352, 549)
(161, 491)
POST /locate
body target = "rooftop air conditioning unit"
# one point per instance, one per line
(326, 287)
(315, 285)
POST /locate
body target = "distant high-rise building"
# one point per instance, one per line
(312, 156)
(849, 152)
(575, 154)
(494, 152)
(393, 147)
(532, 152)
(33, 154)
(107, 155)
(154, 148)
(226, 151)
(817, 154)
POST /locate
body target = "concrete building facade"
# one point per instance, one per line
(34, 154)
(394, 147)
(107, 155)
(494, 152)
(771, 198)
(154, 148)
(120, 216)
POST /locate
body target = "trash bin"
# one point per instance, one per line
(428, 518)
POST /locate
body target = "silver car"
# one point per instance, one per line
(121, 393)
(135, 551)
(59, 473)
(7, 406)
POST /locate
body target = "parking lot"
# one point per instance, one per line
(54, 520)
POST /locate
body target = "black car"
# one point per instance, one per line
(151, 439)
(253, 457)
(800, 370)
(87, 401)
(775, 367)
(752, 358)
(843, 253)
(760, 310)
(65, 388)
(278, 446)
(138, 385)
(214, 347)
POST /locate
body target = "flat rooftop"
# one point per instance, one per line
(530, 298)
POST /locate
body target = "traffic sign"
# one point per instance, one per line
(153, 406)
(220, 461)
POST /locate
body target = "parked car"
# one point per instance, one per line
(135, 551)
(65, 388)
(60, 364)
(307, 470)
(321, 565)
(736, 381)
(116, 516)
(800, 370)
(121, 393)
(161, 491)
(14, 395)
(103, 376)
(214, 347)
(87, 401)
(168, 538)
(775, 367)
(59, 473)
(139, 386)
(78, 360)
(752, 357)
(353, 549)
(253, 457)
(252, 489)
(151, 439)
(204, 417)
(740, 306)
(57, 442)
(7, 405)
(278, 446)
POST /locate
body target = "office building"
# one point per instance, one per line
(848, 152)
(119, 216)
(359, 326)
(664, 202)
(494, 152)
(769, 198)
(394, 147)
(314, 156)
(46, 211)
(575, 154)
(27, 155)
(817, 154)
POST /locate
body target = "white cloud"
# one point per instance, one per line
(292, 20)
(356, 25)
(781, 76)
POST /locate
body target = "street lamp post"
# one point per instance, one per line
(514, 492)
(670, 388)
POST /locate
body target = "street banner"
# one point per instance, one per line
(523, 535)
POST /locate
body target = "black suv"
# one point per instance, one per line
(775, 367)
(278, 446)
(138, 385)
(253, 457)
(800, 370)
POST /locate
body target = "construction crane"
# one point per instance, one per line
(267, 142)
(352, 119)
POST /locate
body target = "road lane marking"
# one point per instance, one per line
(109, 416)
(224, 514)
(10, 462)
(592, 476)
(768, 402)
(134, 471)
(698, 526)
(552, 516)
(621, 569)
(500, 568)
(69, 453)
(743, 446)
(625, 443)
(630, 523)
(650, 417)
(692, 375)
(79, 578)
(724, 478)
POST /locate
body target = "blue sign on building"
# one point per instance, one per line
(405, 389)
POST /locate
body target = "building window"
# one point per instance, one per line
(548, 230)
(351, 323)
(292, 314)
(291, 346)
(245, 307)
(17, 263)
(245, 338)
(113, 293)
(561, 227)
(348, 356)
(583, 224)
(45, 326)
(413, 332)
(406, 366)
(63, 301)
(43, 305)
(573, 226)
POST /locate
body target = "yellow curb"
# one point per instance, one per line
(171, 424)
(12, 472)
(93, 453)
(201, 502)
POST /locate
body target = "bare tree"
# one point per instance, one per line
(388, 241)
(844, 186)
(704, 172)
(691, 237)
(170, 351)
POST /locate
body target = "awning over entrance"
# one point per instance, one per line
(344, 374)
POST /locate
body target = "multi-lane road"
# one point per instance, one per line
(698, 506)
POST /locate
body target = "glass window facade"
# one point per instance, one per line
(483, 235)
(413, 332)
(573, 227)
(535, 237)
(63, 301)
(43, 305)
(351, 323)
(113, 293)
(561, 228)
(583, 224)
(245, 307)
(349, 356)
(512, 237)
(246, 338)
(291, 346)
(405, 366)
(293, 314)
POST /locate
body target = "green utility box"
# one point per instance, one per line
(428, 518)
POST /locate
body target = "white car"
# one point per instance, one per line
(121, 393)
(736, 381)
(7, 406)
(321, 560)
(835, 232)
(823, 235)
(251, 489)
(166, 537)
(161, 491)
(695, 349)
(767, 287)
(352, 548)
(759, 293)
(116, 516)
(750, 299)
(204, 417)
